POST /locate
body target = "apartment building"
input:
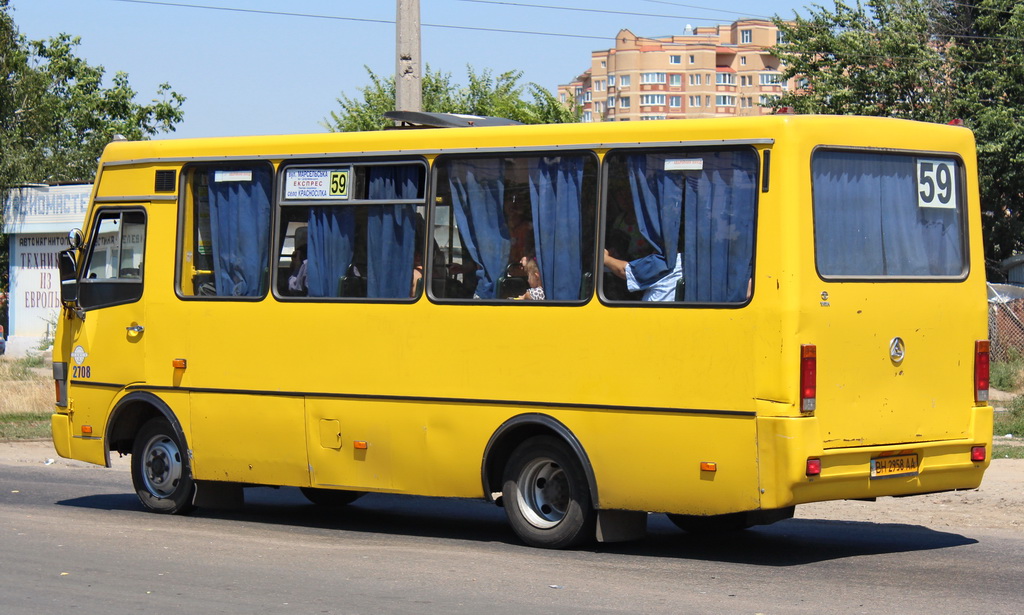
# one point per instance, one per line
(707, 71)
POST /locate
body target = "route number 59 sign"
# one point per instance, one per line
(936, 183)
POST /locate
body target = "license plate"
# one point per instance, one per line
(896, 465)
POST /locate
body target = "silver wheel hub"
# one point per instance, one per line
(161, 466)
(543, 493)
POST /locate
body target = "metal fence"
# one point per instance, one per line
(1006, 321)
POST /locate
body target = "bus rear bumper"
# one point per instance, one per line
(866, 472)
(849, 474)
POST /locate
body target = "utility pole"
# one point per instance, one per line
(408, 88)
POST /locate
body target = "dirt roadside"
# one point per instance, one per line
(997, 504)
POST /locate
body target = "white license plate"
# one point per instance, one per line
(894, 465)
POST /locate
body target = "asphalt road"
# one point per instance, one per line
(76, 540)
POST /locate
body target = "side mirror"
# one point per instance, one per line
(68, 277)
(75, 238)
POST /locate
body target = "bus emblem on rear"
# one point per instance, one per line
(897, 350)
(79, 355)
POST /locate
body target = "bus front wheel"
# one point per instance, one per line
(160, 470)
(546, 496)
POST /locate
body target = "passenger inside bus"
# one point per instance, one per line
(503, 209)
(297, 276)
(647, 275)
(536, 290)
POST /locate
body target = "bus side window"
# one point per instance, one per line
(680, 225)
(360, 245)
(113, 272)
(226, 248)
(495, 217)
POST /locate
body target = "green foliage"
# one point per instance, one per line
(874, 59)
(985, 50)
(501, 96)
(1006, 375)
(56, 114)
(928, 60)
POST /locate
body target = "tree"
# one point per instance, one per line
(984, 41)
(873, 60)
(500, 96)
(927, 60)
(56, 115)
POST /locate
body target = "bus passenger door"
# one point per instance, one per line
(107, 349)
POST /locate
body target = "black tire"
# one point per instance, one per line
(332, 498)
(546, 495)
(160, 470)
(732, 522)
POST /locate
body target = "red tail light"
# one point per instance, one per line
(978, 453)
(808, 377)
(981, 370)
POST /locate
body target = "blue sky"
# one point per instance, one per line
(272, 73)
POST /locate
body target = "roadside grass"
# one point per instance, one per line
(1007, 375)
(26, 399)
(1009, 422)
(1007, 451)
(27, 426)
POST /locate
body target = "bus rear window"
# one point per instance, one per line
(888, 215)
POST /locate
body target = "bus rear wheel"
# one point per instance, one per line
(546, 495)
(160, 470)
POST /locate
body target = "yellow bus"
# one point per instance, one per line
(717, 319)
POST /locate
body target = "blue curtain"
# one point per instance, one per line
(240, 229)
(478, 196)
(718, 227)
(868, 222)
(330, 244)
(555, 197)
(391, 232)
(657, 199)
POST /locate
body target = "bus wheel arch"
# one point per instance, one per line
(144, 426)
(130, 413)
(517, 430)
(548, 487)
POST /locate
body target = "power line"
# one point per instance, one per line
(496, 30)
(691, 6)
(361, 19)
(982, 8)
(256, 11)
(605, 11)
